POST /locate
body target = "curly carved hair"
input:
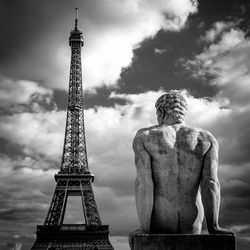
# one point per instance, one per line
(172, 104)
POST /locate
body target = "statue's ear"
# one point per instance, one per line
(160, 115)
(161, 112)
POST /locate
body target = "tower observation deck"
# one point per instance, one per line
(74, 177)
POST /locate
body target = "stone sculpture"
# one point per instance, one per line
(176, 173)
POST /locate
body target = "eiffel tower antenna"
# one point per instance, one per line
(74, 177)
(76, 18)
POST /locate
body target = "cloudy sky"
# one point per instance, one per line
(134, 51)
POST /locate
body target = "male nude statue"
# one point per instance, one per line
(176, 173)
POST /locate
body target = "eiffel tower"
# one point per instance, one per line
(74, 177)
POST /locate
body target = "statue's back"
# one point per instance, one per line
(176, 154)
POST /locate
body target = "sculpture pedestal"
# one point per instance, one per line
(183, 242)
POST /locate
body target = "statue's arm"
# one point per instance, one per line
(210, 189)
(144, 187)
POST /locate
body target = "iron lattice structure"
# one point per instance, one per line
(74, 177)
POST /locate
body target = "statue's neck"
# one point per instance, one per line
(170, 121)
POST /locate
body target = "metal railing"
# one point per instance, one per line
(73, 227)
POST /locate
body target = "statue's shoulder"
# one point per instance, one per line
(202, 134)
(142, 137)
(208, 136)
(144, 132)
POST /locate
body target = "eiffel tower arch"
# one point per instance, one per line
(74, 177)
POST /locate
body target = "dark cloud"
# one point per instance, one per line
(239, 190)
(24, 215)
(233, 132)
(10, 149)
(61, 99)
(121, 186)
(37, 103)
(30, 25)
(157, 62)
(99, 97)
(151, 71)
(223, 10)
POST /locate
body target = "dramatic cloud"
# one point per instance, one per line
(217, 30)
(36, 133)
(227, 62)
(19, 92)
(17, 96)
(111, 28)
(27, 122)
(110, 48)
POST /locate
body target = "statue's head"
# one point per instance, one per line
(171, 108)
